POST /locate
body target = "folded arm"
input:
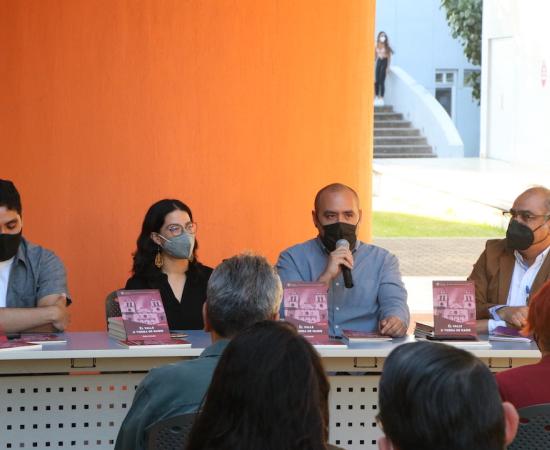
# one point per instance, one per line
(50, 314)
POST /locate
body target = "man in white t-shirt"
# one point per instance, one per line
(512, 269)
(33, 286)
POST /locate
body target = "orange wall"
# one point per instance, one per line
(241, 108)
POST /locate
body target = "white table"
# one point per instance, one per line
(75, 395)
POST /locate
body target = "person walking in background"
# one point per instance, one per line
(382, 54)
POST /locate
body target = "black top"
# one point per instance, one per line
(184, 315)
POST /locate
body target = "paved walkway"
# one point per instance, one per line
(434, 256)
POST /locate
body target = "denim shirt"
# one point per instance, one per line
(35, 273)
(378, 290)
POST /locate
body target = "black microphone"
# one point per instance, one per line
(346, 272)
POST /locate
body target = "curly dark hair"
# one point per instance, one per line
(269, 391)
(144, 256)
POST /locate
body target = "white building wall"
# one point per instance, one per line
(422, 41)
(515, 102)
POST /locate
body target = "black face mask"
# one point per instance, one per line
(520, 236)
(336, 231)
(9, 243)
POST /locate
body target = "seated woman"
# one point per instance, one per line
(165, 259)
(269, 391)
(528, 385)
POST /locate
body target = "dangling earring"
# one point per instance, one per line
(159, 260)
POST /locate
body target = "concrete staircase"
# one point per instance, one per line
(395, 137)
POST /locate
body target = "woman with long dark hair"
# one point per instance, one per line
(166, 259)
(382, 54)
(269, 392)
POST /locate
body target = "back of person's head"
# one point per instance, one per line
(9, 196)
(242, 290)
(434, 396)
(269, 392)
(538, 318)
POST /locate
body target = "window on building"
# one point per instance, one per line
(445, 85)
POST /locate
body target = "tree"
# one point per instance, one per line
(464, 19)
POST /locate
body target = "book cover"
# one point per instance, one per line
(357, 337)
(454, 309)
(305, 306)
(143, 314)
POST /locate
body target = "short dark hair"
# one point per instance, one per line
(334, 187)
(434, 396)
(241, 291)
(9, 196)
(269, 391)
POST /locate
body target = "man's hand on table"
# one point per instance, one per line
(392, 326)
(515, 316)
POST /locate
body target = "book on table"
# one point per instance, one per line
(144, 322)
(363, 337)
(305, 306)
(116, 330)
(454, 309)
(16, 344)
(508, 334)
(43, 338)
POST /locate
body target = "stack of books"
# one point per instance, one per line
(143, 323)
(454, 315)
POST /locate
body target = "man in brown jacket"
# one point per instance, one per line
(511, 269)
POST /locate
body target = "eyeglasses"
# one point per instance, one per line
(525, 216)
(176, 229)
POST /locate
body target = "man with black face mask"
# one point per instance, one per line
(33, 287)
(511, 269)
(378, 300)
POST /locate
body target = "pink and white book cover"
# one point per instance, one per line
(143, 314)
(454, 308)
(306, 307)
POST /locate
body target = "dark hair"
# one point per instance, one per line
(386, 44)
(9, 197)
(241, 291)
(434, 396)
(144, 256)
(269, 391)
(538, 317)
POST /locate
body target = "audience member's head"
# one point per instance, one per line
(434, 396)
(538, 318)
(242, 290)
(269, 392)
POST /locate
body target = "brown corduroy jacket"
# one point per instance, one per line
(492, 275)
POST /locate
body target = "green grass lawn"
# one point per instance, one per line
(389, 224)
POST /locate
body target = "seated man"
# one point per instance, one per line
(33, 286)
(241, 291)
(434, 396)
(378, 300)
(510, 269)
(528, 385)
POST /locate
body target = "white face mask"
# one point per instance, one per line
(382, 38)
